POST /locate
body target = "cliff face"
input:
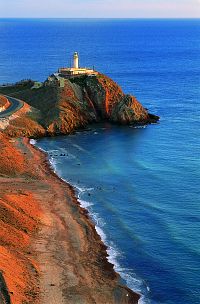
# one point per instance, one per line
(62, 106)
(19, 218)
(113, 105)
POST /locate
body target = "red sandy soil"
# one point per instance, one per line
(49, 249)
(4, 102)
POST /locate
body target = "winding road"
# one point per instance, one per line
(15, 105)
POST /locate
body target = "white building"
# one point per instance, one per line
(76, 59)
(76, 70)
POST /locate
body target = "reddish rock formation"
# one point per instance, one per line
(19, 217)
(80, 100)
(113, 105)
(4, 103)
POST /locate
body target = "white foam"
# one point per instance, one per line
(139, 127)
(99, 223)
(52, 163)
(33, 141)
(113, 254)
(143, 300)
(42, 149)
(85, 204)
(131, 280)
(83, 189)
(53, 151)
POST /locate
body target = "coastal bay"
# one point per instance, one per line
(147, 203)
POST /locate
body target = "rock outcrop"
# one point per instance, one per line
(61, 106)
(4, 103)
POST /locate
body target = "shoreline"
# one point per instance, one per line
(76, 192)
(127, 295)
(50, 250)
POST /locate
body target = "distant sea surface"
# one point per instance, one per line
(141, 185)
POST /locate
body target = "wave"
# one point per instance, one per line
(78, 147)
(53, 163)
(33, 141)
(132, 281)
(85, 204)
(81, 189)
(138, 127)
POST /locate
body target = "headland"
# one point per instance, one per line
(50, 251)
(66, 101)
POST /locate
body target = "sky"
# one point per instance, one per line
(100, 8)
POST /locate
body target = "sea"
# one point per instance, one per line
(141, 185)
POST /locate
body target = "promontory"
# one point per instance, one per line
(50, 251)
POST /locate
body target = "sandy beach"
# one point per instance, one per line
(51, 252)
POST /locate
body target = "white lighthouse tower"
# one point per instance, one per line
(76, 60)
(76, 70)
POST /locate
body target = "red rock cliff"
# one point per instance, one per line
(62, 106)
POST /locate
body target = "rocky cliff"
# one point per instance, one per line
(61, 106)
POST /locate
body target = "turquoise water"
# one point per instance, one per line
(141, 185)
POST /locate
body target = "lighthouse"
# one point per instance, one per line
(75, 70)
(76, 60)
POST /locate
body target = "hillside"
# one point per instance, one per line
(49, 248)
(61, 106)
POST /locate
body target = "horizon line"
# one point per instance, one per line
(103, 18)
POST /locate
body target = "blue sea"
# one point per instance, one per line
(140, 185)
